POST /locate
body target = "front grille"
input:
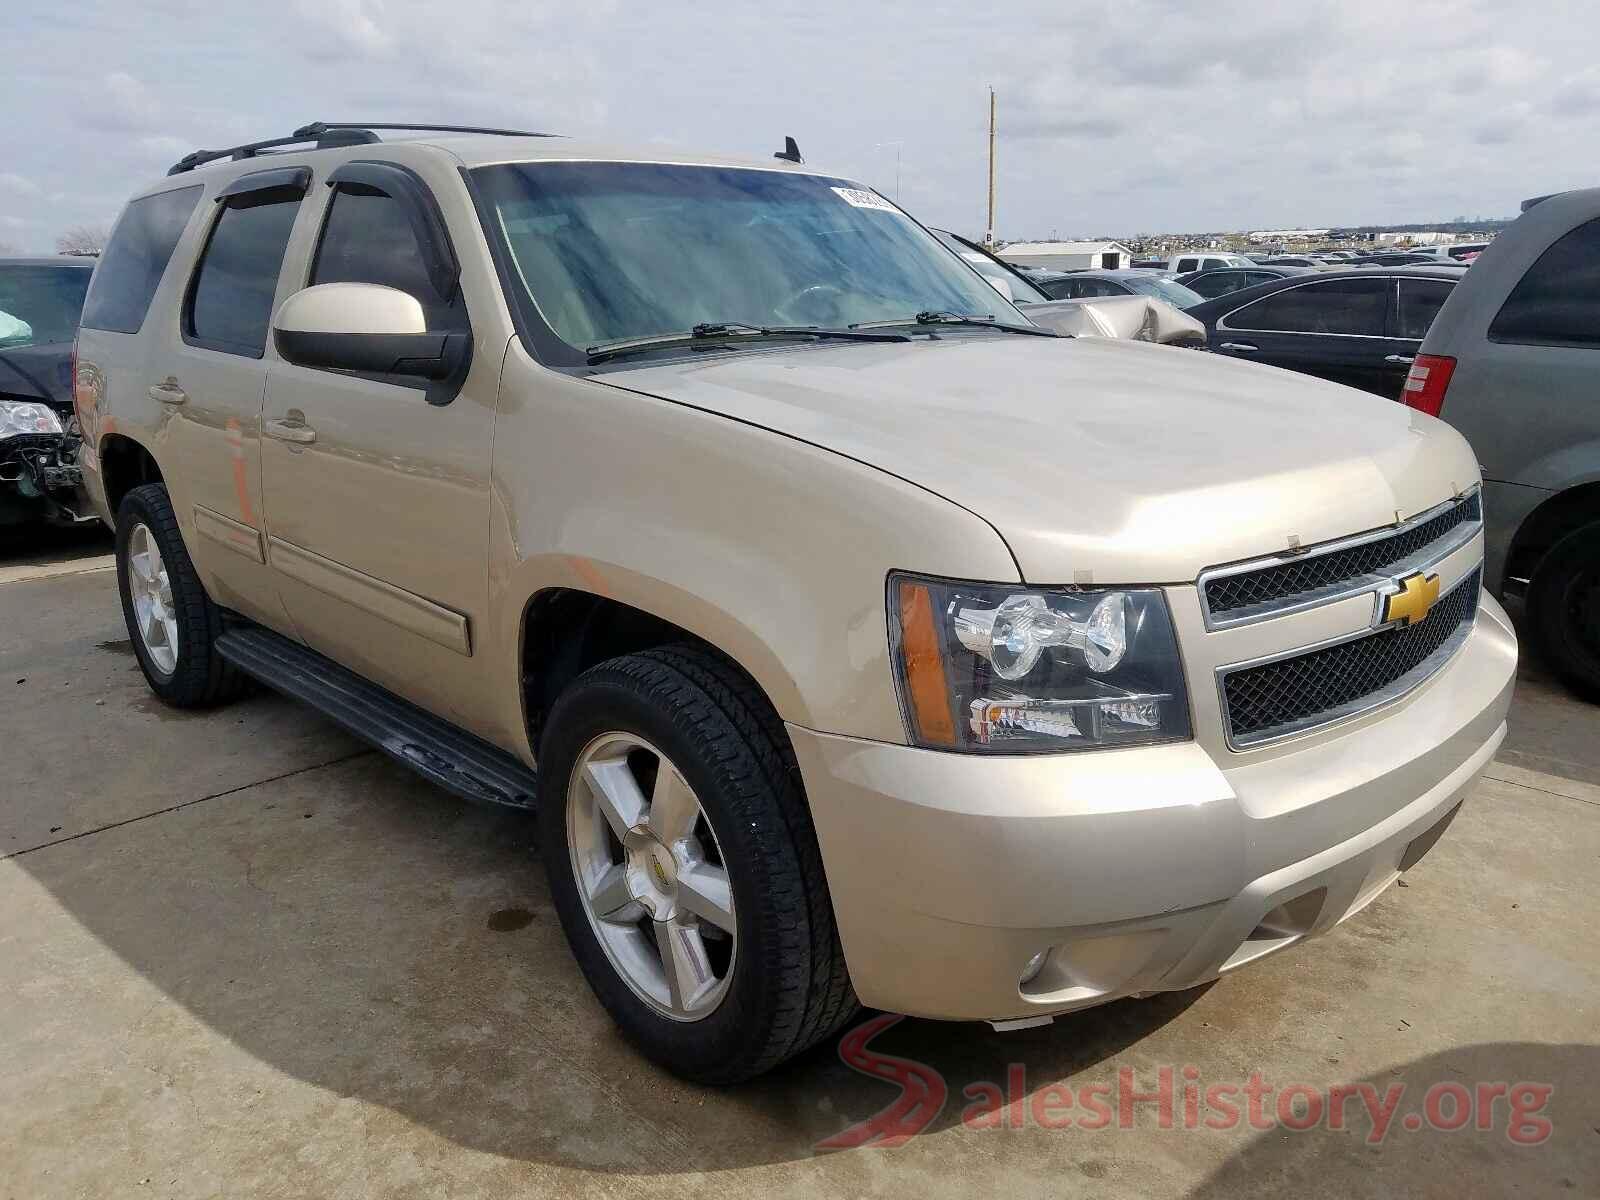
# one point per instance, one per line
(1284, 584)
(1293, 694)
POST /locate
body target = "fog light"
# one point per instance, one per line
(1031, 971)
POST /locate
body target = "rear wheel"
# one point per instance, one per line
(1563, 609)
(685, 868)
(171, 621)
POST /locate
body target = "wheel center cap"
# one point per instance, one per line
(663, 869)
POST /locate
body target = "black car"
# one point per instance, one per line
(1360, 327)
(1219, 281)
(41, 300)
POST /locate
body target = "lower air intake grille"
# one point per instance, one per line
(1293, 694)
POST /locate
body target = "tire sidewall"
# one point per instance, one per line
(1563, 649)
(729, 1034)
(149, 506)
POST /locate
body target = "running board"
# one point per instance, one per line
(435, 749)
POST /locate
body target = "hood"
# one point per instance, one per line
(37, 372)
(1098, 461)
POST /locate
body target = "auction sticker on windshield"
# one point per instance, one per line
(861, 198)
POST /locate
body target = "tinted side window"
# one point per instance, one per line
(1216, 283)
(1557, 303)
(1348, 306)
(1419, 303)
(368, 239)
(130, 270)
(230, 301)
(1188, 264)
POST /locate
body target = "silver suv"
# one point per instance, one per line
(856, 638)
(1512, 361)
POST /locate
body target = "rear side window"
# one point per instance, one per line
(130, 270)
(230, 300)
(1354, 307)
(1188, 264)
(368, 238)
(1419, 303)
(1217, 283)
(1557, 303)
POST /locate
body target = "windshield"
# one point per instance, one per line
(612, 251)
(40, 303)
(1171, 291)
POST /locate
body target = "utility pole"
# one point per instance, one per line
(988, 239)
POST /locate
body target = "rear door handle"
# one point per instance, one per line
(291, 431)
(168, 392)
(1404, 359)
(1242, 347)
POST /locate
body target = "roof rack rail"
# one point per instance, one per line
(331, 133)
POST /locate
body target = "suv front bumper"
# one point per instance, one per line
(1140, 870)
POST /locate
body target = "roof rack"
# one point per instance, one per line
(327, 134)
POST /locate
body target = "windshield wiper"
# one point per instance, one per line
(735, 330)
(932, 317)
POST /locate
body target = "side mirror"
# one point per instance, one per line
(364, 327)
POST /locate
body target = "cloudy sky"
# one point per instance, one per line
(1144, 115)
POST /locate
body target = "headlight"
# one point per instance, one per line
(1004, 669)
(24, 416)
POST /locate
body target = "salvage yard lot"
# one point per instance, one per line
(240, 954)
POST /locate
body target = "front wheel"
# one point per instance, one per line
(1563, 609)
(685, 868)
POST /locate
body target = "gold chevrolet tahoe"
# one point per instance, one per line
(856, 639)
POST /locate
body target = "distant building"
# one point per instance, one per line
(1430, 237)
(1069, 256)
(1287, 235)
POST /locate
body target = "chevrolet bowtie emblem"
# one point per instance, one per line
(1411, 603)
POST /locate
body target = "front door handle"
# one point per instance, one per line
(1242, 347)
(1403, 359)
(168, 392)
(297, 432)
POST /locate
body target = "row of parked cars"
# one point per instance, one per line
(797, 574)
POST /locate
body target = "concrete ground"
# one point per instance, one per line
(241, 955)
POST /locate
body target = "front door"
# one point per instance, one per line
(377, 487)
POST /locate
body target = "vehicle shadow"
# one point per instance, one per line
(38, 543)
(366, 934)
(1535, 1134)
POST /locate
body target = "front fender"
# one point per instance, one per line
(772, 549)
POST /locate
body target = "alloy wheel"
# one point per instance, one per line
(651, 877)
(151, 592)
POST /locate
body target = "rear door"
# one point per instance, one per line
(209, 372)
(1332, 328)
(377, 486)
(1416, 303)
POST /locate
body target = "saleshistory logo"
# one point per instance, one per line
(1178, 1098)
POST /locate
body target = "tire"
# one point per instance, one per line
(182, 665)
(785, 986)
(1563, 610)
